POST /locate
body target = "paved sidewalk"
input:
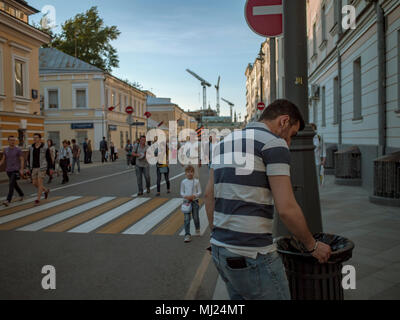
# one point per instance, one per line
(374, 229)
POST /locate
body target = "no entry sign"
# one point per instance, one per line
(129, 110)
(265, 17)
(261, 106)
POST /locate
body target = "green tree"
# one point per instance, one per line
(86, 37)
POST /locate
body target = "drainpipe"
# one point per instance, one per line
(339, 59)
(380, 20)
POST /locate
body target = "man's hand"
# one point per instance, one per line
(322, 253)
(21, 173)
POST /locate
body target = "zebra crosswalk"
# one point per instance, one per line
(103, 215)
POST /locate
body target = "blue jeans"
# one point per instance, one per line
(143, 171)
(264, 278)
(78, 162)
(195, 214)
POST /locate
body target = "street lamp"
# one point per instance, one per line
(260, 58)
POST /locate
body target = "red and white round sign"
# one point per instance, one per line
(265, 17)
(129, 110)
(261, 106)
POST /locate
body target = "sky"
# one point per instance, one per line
(160, 39)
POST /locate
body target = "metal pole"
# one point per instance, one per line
(272, 68)
(304, 177)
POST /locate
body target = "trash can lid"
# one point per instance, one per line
(341, 247)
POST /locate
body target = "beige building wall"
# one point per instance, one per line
(19, 46)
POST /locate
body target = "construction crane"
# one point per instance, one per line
(204, 84)
(231, 105)
(217, 87)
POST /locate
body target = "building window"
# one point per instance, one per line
(126, 101)
(315, 109)
(53, 99)
(81, 98)
(19, 78)
(398, 70)
(120, 102)
(357, 112)
(113, 99)
(130, 101)
(314, 39)
(335, 100)
(126, 136)
(323, 24)
(106, 98)
(1, 72)
(122, 139)
(323, 97)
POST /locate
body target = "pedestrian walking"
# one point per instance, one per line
(320, 154)
(240, 206)
(90, 151)
(103, 150)
(14, 160)
(38, 166)
(142, 166)
(162, 153)
(65, 158)
(129, 151)
(190, 192)
(76, 154)
(51, 159)
(112, 151)
(85, 151)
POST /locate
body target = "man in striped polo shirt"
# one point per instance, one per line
(240, 200)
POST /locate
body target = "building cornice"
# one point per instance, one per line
(23, 28)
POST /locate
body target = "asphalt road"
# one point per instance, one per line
(103, 241)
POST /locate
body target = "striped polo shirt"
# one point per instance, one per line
(244, 207)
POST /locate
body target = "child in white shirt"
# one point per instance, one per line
(190, 192)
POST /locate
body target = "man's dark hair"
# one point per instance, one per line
(38, 135)
(9, 137)
(142, 137)
(283, 107)
(104, 138)
(73, 141)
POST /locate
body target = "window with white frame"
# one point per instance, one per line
(323, 108)
(19, 74)
(80, 96)
(113, 99)
(106, 98)
(120, 102)
(336, 100)
(53, 101)
(314, 39)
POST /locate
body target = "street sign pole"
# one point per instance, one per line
(304, 176)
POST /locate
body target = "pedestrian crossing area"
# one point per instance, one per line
(102, 215)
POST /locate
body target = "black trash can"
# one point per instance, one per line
(309, 279)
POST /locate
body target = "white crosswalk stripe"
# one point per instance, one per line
(203, 223)
(108, 216)
(33, 210)
(16, 203)
(150, 221)
(65, 215)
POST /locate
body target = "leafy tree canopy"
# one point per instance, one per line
(86, 37)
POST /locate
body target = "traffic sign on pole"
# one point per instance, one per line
(129, 110)
(261, 106)
(265, 17)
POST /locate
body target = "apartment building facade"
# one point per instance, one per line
(82, 101)
(19, 73)
(348, 102)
